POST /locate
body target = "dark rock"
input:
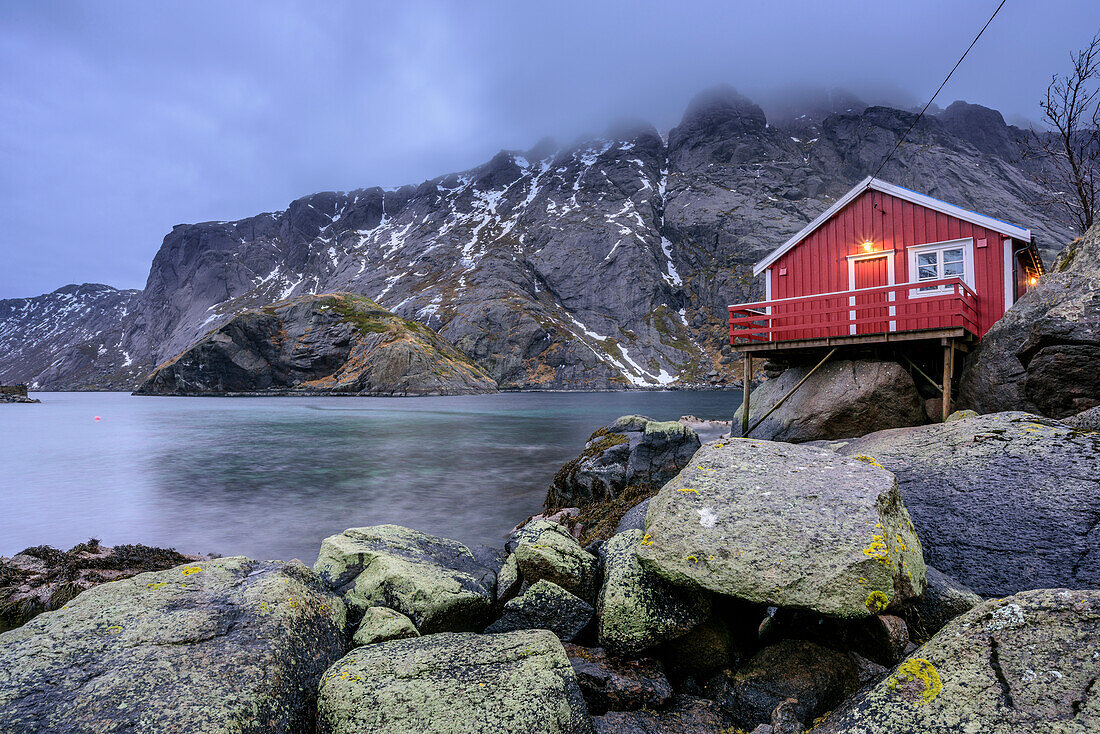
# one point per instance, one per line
(454, 682)
(687, 715)
(436, 582)
(868, 671)
(222, 645)
(943, 600)
(785, 525)
(700, 653)
(634, 519)
(882, 638)
(337, 343)
(1020, 664)
(545, 606)
(1043, 356)
(616, 684)
(840, 400)
(786, 718)
(634, 450)
(1001, 502)
(817, 677)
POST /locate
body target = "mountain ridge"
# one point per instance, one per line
(605, 263)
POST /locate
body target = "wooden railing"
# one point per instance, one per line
(886, 309)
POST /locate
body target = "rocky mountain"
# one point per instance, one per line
(333, 343)
(608, 262)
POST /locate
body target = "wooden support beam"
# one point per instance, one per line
(783, 399)
(745, 400)
(948, 375)
(920, 372)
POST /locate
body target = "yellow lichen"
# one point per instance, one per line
(647, 539)
(155, 585)
(920, 672)
(877, 602)
(292, 602)
(191, 570)
(114, 629)
(692, 559)
(688, 489)
(868, 460)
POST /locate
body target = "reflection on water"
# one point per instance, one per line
(270, 477)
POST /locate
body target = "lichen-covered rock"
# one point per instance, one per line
(817, 677)
(226, 645)
(436, 582)
(1086, 420)
(546, 550)
(943, 600)
(545, 606)
(687, 715)
(633, 450)
(455, 683)
(787, 525)
(616, 684)
(508, 580)
(841, 399)
(1002, 502)
(380, 624)
(1025, 663)
(637, 608)
(1043, 355)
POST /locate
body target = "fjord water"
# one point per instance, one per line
(271, 477)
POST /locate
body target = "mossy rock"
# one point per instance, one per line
(380, 624)
(545, 606)
(454, 683)
(546, 550)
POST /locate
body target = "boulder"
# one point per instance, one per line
(43, 578)
(215, 646)
(792, 526)
(842, 399)
(436, 582)
(817, 677)
(703, 651)
(634, 450)
(454, 683)
(508, 580)
(545, 606)
(634, 518)
(944, 599)
(637, 608)
(1086, 420)
(546, 550)
(687, 715)
(617, 684)
(1001, 502)
(380, 624)
(1044, 353)
(1024, 663)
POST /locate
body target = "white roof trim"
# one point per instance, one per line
(912, 196)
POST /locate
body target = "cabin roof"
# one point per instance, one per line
(900, 192)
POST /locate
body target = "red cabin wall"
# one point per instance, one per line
(819, 264)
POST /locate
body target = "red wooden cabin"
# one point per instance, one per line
(885, 264)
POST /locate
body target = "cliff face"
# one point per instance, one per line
(605, 263)
(333, 343)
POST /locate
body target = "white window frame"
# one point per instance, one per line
(967, 245)
(889, 255)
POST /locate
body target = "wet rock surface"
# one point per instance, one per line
(785, 525)
(1043, 355)
(1027, 662)
(436, 582)
(1002, 502)
(334, 343)
(634, 450)
(687, 715)
(618, 684)
(841, 399)
(453, 683)
(219, 645)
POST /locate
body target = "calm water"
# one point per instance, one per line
(271, 477)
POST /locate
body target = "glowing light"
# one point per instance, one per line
(97, 417)
(868, 246)
(1032, 280)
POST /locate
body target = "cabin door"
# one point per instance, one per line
(872, 309)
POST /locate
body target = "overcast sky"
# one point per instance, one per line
(121, 119)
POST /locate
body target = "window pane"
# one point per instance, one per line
(926, 272)
(953, 256)
(927, 258)
(952, 269)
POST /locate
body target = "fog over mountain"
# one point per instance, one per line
(122, 120)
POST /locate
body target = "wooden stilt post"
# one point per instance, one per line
(948, 374)
(745, 400)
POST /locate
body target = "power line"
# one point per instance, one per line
(938, 90)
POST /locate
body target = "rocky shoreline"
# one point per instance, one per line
(759, 587)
